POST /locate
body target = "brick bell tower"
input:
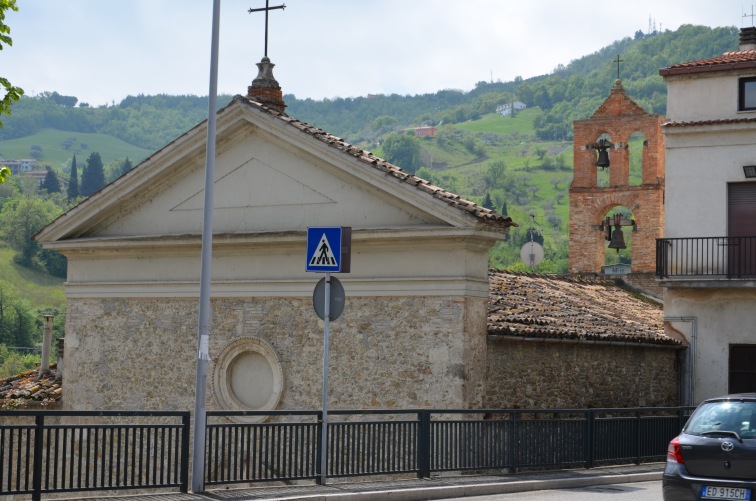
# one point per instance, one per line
(618, 118)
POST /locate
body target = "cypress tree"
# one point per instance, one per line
(93, 175)
(51, 183)
(73, 182)
(488, 203)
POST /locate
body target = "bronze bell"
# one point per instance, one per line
(603, 145)
(618, 239)
(603, 158)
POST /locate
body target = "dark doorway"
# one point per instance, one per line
(741, 229)
(742, 368)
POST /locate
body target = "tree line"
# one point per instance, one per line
(570, 92)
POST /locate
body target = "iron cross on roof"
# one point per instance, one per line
(618, 61)
(267, 9)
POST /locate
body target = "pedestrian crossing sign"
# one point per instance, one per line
(328, 249)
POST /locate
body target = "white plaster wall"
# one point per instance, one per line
(707, 96)
(700, 162)
(434, 263)
(723, 317)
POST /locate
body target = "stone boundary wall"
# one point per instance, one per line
(540, 375)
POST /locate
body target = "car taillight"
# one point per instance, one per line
(673, 452)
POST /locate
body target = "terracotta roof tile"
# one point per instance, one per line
(27, 388)
(486, 216)
(727, 61)
(723, 121)
(571, 307)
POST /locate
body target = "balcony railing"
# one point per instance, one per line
(706, 257)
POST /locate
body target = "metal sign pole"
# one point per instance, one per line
(200, 398)
(324, 428)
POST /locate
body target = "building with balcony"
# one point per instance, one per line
(707, 258)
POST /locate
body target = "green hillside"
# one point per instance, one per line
(38, 288)
(56, 154)
(521, 164)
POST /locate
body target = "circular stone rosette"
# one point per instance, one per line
(248, 376)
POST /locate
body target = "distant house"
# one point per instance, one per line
(20, 166)
(425, 131)
(706, 260)
(506, 109)
(39, 175)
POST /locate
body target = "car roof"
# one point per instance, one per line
(734, 396)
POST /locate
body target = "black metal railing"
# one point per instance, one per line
(62, 451)
(710, 257)
(287, 447)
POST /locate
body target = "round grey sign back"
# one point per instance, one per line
(336, 305)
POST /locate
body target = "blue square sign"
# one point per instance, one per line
(328, 249)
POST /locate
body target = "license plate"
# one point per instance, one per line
(714, 492)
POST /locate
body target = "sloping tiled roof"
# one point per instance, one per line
(486, 216)
(739, 59)
(721, 121)
(28, 388)
(572, 307)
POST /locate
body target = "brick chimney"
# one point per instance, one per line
(748, 38)
(265, 88)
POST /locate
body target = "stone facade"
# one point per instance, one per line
(541, 375)
(384, 352)
(619, 118)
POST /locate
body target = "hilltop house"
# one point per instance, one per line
(707, 258)
(506, 108)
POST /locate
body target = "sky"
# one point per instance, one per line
(102, 51)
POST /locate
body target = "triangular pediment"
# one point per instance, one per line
(246, 186)
(269, 177)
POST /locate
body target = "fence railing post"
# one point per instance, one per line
(423, 444)
(511, 439)
(39, 431)
(589, 438)
(184, 472)
(637, 436)
(319, 452)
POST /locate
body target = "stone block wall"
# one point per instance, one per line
(384, 352)
(542, 375)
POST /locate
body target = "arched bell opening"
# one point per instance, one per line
(637, 145)
(603, 146)
(618, 226)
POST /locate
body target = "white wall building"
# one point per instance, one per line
(707, 260)
(506, 108)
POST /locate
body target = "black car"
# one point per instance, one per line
(714, 457)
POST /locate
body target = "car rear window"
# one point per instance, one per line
(738, 417)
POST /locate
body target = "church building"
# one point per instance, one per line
(413, 330)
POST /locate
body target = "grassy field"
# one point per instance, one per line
(521, 124)
(36, 287)
(56, 155)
